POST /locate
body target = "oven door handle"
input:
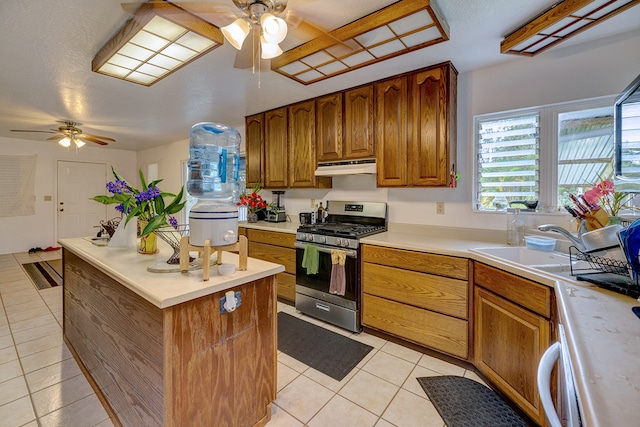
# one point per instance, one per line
(327, 249)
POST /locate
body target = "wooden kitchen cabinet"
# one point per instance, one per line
(278, 248)
(254, 149)
(358, 123)
(329, 141)
(418, 297)
(432, 134)
(276, 159)
(416, 140)
(391, 132)
(513, 328)
(302, 147)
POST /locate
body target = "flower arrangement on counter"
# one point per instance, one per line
(600, 205)
(604, 194)
(147, 204)
(253, 201)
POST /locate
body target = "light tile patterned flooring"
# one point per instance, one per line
(41, 384)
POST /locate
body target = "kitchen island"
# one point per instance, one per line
(157, 347)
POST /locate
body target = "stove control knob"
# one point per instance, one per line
(338, 242)
(309, 237)
(323, 239)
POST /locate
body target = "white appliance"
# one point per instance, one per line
(567, 395)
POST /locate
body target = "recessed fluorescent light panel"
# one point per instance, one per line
(400, 28)
(159, 39)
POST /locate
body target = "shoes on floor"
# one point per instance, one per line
(34, 250)
(51, 248)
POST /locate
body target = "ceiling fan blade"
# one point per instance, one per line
(53, 138)
(39, 131)
(84, 135)
(91, 139)
(311, 31)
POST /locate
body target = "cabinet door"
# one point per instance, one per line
(302, 138)
(254, 150)
(509, 342)
(391, 132)
(429, 140)
(276, 159)
(329, 127)
(358, 123)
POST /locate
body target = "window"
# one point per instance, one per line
(542, 154)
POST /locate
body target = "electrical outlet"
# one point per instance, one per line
(440, 208)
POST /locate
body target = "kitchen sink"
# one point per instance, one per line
(553, 263)
(525, 256)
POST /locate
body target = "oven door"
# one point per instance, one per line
(318, 284)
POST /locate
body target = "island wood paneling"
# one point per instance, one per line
(118, 337)
(185, 365)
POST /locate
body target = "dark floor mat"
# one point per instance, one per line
(462, 402)
(328, 352)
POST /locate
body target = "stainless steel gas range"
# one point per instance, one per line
(327, 246)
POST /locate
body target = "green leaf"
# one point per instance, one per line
(142, 180)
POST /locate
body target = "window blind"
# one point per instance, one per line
(17, 185)
(508, 161)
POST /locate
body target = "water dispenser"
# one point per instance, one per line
(214, 167)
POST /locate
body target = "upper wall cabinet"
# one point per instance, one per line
(254, 128)
(302, 144)
(415, 141)
(276, 159)
(358, 123)
(329, 142)
(408, 122)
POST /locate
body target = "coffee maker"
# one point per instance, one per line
(277, 212)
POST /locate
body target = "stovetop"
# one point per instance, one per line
(341, 229)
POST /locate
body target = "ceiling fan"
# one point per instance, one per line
(266, 21)
(69, 132)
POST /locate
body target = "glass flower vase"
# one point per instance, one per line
(149, 243)
(252, 217)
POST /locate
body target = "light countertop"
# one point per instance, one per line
(603, 334)
(165, 289)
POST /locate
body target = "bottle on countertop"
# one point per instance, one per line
(515, 227)
(320, 215)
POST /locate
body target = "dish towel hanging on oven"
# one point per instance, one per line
(338, 281)
(310, 259)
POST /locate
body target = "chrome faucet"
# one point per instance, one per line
(577, 241)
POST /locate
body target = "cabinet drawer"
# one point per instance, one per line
(286, 286)
(436, 293)
(442, 265)
(526, 293)
(271, 237)
(276, 254)
(434, 330)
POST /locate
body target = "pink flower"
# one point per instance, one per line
(592, 196)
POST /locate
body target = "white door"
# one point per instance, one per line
(78, 216)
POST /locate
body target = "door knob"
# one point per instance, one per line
(62, 203)
(61, 210)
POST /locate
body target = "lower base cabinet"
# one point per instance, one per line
(278, 248)
(509, 337)
(418, 297)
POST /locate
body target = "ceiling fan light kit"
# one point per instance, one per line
(236, 32)
(159, 39)
(400, 28)
(560, 22)
(260, 14)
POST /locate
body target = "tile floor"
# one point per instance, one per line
(41, 384)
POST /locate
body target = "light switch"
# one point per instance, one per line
(47, 198)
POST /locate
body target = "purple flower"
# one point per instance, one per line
(120, 208)
(117, 187)
(174, 222)
(147, 195)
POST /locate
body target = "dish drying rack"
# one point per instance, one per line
(612, 274)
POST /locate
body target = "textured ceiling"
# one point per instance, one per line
(47, 48)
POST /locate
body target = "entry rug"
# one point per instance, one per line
(462, 402)
(328, 352)
(45, 274)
